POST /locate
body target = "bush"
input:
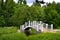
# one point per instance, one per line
(33, 31)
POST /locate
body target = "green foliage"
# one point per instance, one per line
(14, 14)
(2, 21)
(33, 32)
(52, 14)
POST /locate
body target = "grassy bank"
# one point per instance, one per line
(45, 36)
(13, 34)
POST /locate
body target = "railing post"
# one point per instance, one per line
(37, 27)
(25, 24)
(51, 27)
(47, 26)
(29, 24)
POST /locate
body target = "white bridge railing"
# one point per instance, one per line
(37, 25)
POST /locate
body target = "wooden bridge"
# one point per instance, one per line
(38, 26)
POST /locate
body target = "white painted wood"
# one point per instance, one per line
(36, 25)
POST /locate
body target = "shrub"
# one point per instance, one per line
(33, 31)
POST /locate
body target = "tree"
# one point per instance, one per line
(20, 1)
(24, 1)
(2, 21)
(7, 10)
(57, 8)
(52, 16)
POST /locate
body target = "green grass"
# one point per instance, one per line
(8, 30)
(13, 34)
(45, 36)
